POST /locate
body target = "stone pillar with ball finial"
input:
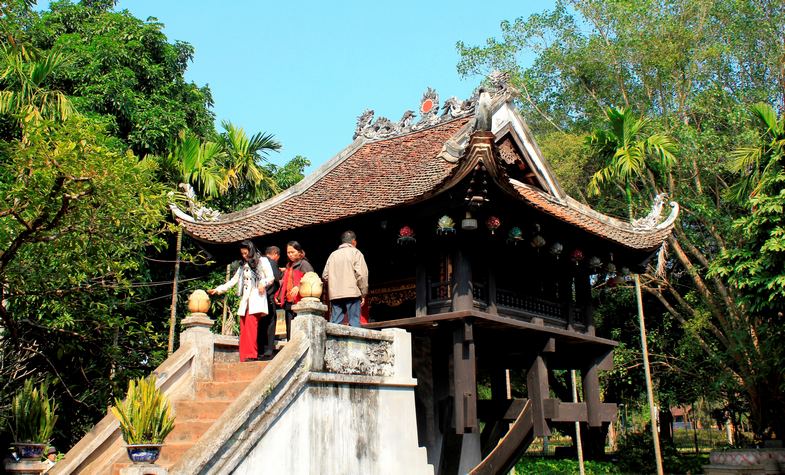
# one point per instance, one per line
(196, 332)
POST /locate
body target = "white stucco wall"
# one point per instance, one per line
(346, 424)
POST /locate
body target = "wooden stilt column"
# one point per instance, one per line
(465, 387)
(583, 293)
(537, 387)
(421, 283)
(465, 378)
(591, 393)
(462, 296)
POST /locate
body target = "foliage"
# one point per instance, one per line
(23, 94)
(76, 218)
(124, 72)
(626, 155)
(145, 415)
(34, 414)
(549, 466)
(693, 68)
(757, 266)
(636, 455)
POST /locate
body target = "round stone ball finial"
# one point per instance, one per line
(311, 285)
(199, 302)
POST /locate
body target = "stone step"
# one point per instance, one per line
(188, 431)
(227, 372)
(199, 410)
(173, 452)
(219, 391)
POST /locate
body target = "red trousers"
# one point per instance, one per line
(249, 324)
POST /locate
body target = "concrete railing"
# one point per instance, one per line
(176, 376)
(335, 400)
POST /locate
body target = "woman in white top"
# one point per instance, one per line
(253, 276)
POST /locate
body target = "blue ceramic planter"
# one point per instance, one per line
(29, 450)
(144, 453)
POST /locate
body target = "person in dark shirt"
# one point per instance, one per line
(266, 334)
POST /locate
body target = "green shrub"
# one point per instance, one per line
(33, 414)
(636, 455)
(145, 415)
(551, 466)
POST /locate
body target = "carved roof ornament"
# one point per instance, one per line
(363, 122)
(429, 110)
(500, 81)
(454, 107)
(483, 113)
(651, 220)
(196, 210)
(384, 128)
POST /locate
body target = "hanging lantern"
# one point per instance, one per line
(576, 256)
(469, 223)
(493, 224)
(556, 249)
(406, 236)
(625, 271)
(445, 225)
(538, 242)
(595, 263)
(515, 235)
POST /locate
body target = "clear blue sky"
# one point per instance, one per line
(305, 70)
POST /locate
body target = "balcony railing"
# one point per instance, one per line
(509, 303)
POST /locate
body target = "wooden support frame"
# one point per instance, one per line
(465, 378)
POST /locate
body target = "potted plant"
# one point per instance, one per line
(145, 419)
(33, 419)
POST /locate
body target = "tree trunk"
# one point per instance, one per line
(173, 310)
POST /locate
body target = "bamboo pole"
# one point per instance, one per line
(578, 442)
(647, 372)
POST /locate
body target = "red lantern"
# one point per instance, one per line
(576, 256)
(493, 224)
(406, 235)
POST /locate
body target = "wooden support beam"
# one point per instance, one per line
(558, 411)
(537, 386)
(465, 378)
(591, 393)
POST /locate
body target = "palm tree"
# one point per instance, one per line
(197, 163)
(759, 165)
(24, 94)
(629, 157)
(244, 157)
(628, 154)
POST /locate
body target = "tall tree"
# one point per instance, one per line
(755, 267)
(693, 67)
(627, 156)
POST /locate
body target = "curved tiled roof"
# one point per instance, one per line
(573, 212)
(373, 175)
(367, 177)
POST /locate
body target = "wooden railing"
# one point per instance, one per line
(507, 302)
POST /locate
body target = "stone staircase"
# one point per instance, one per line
(195, 416)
